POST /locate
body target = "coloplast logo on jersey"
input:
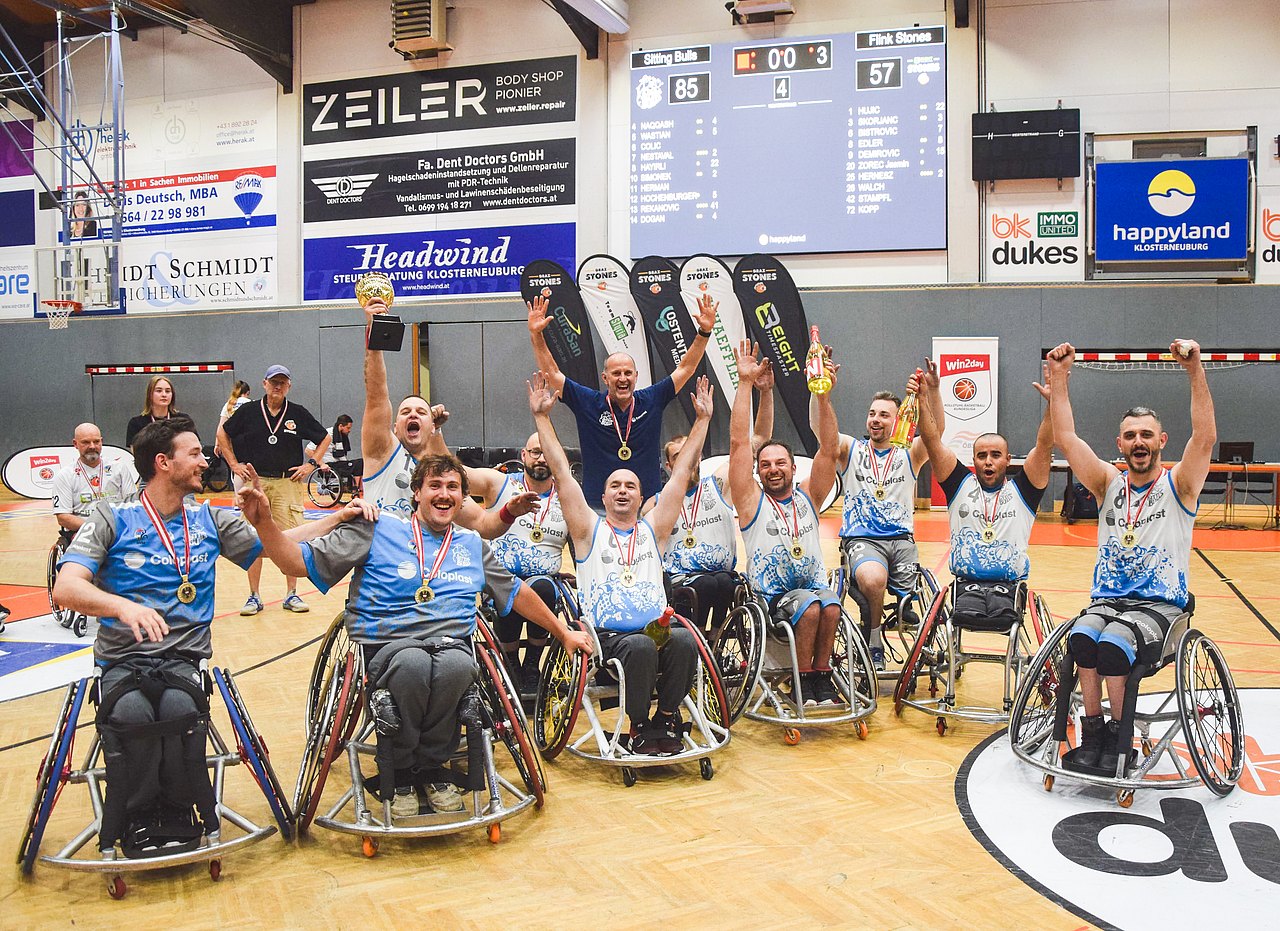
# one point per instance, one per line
(1178, 858)
(1021, 239)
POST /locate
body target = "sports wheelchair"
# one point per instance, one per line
(572, 683)
(340, 482)
(56, 771)
(737, 642)
(778, 697)
(1200, 729)
(73, 621)
(902, 613)
(339, 724)
(938, 655)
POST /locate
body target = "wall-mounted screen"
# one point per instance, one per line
(824, 144)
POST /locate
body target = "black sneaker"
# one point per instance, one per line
(824, 689)
(646, 739)
(670, 732)
(386, 716)
(809, 689)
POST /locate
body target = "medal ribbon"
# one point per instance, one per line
(267, 420)
(1131, 518)
(440, 554)
(691, 518)
(546, 508)
(990, 519)
(795, 514)
(95, 489)
(875, 469)
(163, 533)
(630, 413)
(631, 544)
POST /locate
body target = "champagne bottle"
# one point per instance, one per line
(815, 365)
(659, 629)
(904, 428)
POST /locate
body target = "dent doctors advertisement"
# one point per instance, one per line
(968, 374)
(1172, 211)
(449, 180)
(198, 222)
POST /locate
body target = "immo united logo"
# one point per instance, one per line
(1010, 229)
(1171, 193)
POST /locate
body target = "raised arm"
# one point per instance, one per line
(579, 517)
(845, 441)
(1040, 460)
(704, 320)
(538, 323)
(375, 427)
(664, 514)
(941, 458)
(822, 475)
(1094, 473)
(742, 483)
(762, 431)
(1189, 474)
(919, 452)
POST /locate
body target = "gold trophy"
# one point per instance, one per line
(385, 331)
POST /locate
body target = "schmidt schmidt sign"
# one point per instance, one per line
(1172, 211)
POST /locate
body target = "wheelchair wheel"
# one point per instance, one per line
(708, 691)
(1035, 708)
(64, 616)
(850, 654)
(1210, 710)
(54, 771)
(564, 679)
(930, 648)
(253, 751)
(217, 477)
(333, 726)
(324, 488)
(507, 717)
(737, 650)
(334, 647)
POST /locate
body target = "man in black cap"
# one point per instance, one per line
(270, 436)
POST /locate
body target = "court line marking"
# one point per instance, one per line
(1239, 594)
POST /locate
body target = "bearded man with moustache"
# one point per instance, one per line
(1145, 517)
(78, 486)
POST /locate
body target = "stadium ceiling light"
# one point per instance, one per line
(609, 15)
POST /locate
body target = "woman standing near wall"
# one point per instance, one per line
(161, 404)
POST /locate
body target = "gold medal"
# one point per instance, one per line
(1128, 539)
(628, 577)
(690, 542)
(535, 535)
(988, 534)
(424, 595)
(624, 452)
(797, 551)
(880, 493)
(186, 592)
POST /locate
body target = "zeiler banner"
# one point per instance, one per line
(775, 318)
(603, 281)
(656, 291)
(490, 177)
(411, 103)
(1172, 211)
(568, 335)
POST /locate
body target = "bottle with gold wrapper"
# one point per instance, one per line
(815, 365)
(904, 428)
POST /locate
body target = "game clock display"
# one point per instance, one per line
(826, 144)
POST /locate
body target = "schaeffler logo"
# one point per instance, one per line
(347, 189)
(1171, 193)
(1012, 228)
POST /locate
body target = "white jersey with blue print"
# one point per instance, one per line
(76, 487)
(516, 550)
(381, 603)
(1004, 559)
(771, 567)
(715, 546)
(388, 488)
(607, 602)
(1157, 566)
(120, 546)
(864, 514)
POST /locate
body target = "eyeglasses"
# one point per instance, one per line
(536, 453)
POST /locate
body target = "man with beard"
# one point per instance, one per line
(620, 574)
(87, 480)
(1145, 517)
(779, 525)
(621, 427)
(415, 626)
(990, 518)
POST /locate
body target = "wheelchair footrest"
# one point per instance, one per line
(1072, 764)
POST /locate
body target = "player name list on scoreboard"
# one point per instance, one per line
(826, 144)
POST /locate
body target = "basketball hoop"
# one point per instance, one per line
(59, 313)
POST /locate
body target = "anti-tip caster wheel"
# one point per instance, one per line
(215, 870)
(942, 727)
(628, 776)
(80, 626)
(1048, 783)
(1124, 798)
(791, 736)
(862, 730)
(116, 887)
(495, 833)
(707, 770)
(369, 846)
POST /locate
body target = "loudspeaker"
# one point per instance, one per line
(386, 332)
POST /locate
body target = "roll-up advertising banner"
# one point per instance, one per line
(656, 290)
(705, 274)
(775, 318)
(568, 335)
(968, 376)
(606, 292)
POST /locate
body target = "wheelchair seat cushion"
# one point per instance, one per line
(986, 606)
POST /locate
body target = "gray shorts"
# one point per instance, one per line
(1138, 627)
(794, 603)
(900, 556)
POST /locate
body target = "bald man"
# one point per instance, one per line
(87, 480)
(620, 427)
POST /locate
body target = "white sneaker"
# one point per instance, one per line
(295, 604)
(404, 804)
(444, 796)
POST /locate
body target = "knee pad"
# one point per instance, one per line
(1112, 660)
(1084, 649)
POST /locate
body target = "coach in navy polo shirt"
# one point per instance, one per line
(620, 427)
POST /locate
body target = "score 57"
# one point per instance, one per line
(689, 88)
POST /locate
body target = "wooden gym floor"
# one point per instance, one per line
(833, 832)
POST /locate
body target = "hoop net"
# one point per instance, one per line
(1156, 361)
(59, 313)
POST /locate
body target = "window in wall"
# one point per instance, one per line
(1169, 148)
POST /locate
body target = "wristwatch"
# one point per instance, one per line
(313, 462)
(705, 334)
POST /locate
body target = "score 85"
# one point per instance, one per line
(689, 88)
